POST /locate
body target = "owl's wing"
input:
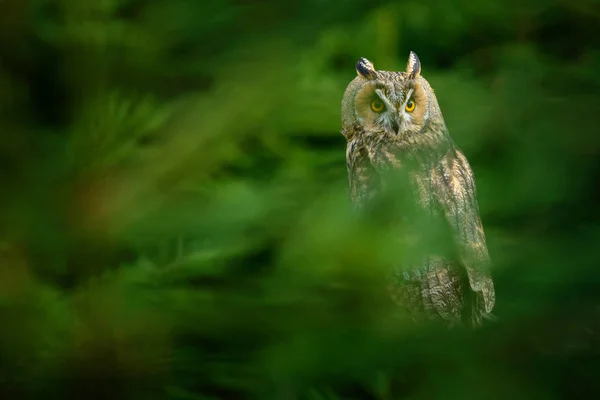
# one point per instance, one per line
(455, 192)
(360, 175)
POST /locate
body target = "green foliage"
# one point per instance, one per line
(174, 213)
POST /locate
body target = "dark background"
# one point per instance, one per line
(174, 220)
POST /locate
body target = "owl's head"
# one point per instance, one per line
(389, 105)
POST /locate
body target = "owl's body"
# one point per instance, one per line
(394, 128)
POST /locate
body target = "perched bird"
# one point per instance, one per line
(394, 127)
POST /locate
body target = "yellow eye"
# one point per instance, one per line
(410, 106)
(377, 105)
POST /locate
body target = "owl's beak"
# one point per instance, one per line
(396, 125)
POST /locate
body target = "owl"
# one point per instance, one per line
(394, 128)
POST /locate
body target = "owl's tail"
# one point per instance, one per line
(474, 313)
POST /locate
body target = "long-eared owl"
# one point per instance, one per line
(394, 127)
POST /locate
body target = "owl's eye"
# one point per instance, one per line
(410, 106)
(377, 105)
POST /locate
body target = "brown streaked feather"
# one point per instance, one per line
(445, 288)
(363, 183)
(432, 290)
(455, 191)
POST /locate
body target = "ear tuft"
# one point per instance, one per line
(413, 67)
(365, 69)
